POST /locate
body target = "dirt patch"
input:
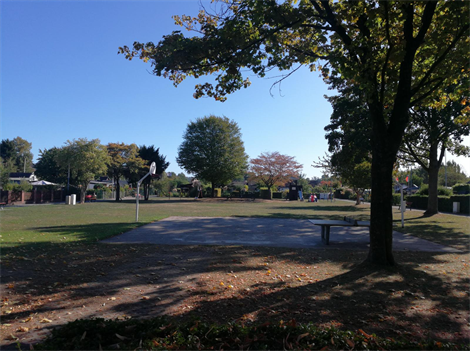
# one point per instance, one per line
(425, 295)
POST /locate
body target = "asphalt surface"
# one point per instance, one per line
(270, 232)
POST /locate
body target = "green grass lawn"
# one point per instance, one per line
(42, 224)
(50, 254)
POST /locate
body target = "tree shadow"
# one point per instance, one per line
(325, 208)
(149, 280)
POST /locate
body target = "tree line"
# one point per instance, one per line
(212, 151)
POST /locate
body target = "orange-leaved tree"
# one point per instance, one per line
(273, 168)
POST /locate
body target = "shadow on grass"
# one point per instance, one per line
(150, 201)
(440, 234)
(391, 301)
(325, 208)
(91, 232)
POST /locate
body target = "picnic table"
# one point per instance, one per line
(327, 224)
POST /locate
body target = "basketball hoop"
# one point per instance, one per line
(153, 168)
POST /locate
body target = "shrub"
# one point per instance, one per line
(464, 202)
(285, 194)
(23, 186)
(347, 194)
(460, 189)
(396, 199)
(445, 203)
(264, 193)
(162, 333)
(441, 191)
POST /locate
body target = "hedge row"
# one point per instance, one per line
(445, 203)
(163, 334)
(246, 194)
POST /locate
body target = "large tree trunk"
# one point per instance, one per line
(433, 173)
(381, 218)
(358, 196)
(146, 191)
(118, 190)
(82, 194)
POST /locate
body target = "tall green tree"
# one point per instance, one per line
(434, 131)
(18, 151)
(124, 163)
(213, 150)
(399, 53)
(454, 174)
(48, 166)
(149, 154)
(5, 169)
(88, 160)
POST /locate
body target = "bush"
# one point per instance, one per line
(23, 186)
(162, 333)
(264, 193)
(421, 202)
(396, 199)
(441, 191)
(285, 194)
(347, 194)
(461, 189)
(464, 202)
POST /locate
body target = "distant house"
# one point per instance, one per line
(17, 177)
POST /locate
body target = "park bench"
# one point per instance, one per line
(327, 224)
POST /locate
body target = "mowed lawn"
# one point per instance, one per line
(54, 271)
(91, 222)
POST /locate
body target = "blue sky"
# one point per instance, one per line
(61, 79)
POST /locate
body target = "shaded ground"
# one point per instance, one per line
(272, 232)
(426, 295)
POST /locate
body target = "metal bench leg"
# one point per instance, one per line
(327, 234)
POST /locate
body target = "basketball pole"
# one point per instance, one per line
(137, 195)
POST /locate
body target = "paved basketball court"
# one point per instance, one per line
(274, 232)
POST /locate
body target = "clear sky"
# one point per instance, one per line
(62, 79)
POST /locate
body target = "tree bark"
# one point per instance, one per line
(358, 197)
(433, 173)
(381, 218)
(118, 189)
(146, 191)
(82, 194)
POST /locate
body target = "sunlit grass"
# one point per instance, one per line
(94, 221)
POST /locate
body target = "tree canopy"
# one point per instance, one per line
(149, 154)
(432, 132)
(88, 159)
(124, 162)
(398, 54)
(48, 166)
(17, 153)
(213, 150)
(273, 168)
